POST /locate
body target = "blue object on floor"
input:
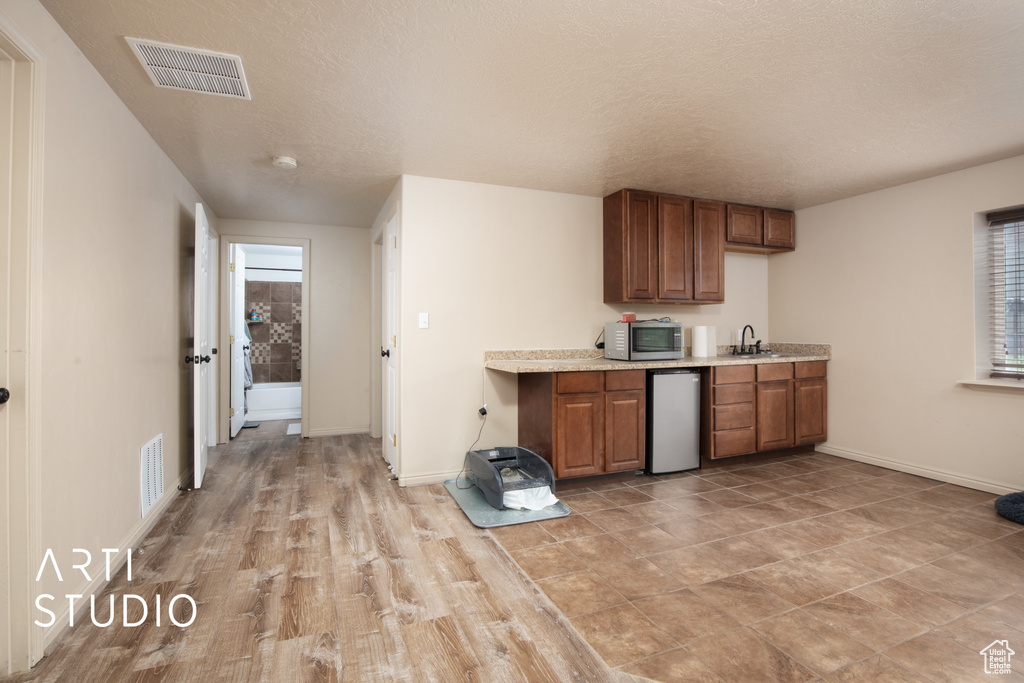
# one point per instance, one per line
(483, 515)
(1011, 506)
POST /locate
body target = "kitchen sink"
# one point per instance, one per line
(764, 355)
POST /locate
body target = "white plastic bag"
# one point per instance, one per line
(529, 499)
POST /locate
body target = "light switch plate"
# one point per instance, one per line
(424, 321)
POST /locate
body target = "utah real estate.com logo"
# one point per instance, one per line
(129, 601)
(997, 657)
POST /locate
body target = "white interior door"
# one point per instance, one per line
(238, 337)
(390, 340)
(10, 660)
(201, 346)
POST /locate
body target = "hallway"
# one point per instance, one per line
(307, 563)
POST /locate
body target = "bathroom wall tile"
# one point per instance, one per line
(297, 312)
(280, 333)
(281, 372)
(280, 353)
(260, 333)
(296, 292)
(259, 353)
(257, 291)
(260, 373)
(281, 292)
(280, 313)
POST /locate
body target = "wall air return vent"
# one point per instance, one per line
(151, 473)
(186, 68)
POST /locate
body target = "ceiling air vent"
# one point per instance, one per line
(186, 68)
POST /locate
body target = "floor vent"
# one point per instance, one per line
(186, 68)
(151, 473)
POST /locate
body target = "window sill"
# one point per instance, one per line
(1007, 385)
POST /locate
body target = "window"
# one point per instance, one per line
(1005, 268)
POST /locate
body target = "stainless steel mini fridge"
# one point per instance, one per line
(673, 420)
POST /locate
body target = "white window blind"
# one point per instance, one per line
(1006, 300)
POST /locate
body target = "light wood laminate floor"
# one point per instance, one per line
(309, 564)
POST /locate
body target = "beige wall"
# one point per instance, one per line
(887, 279)
(117, 231)
(338, 368)
(506, 268)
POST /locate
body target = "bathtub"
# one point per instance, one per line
(274, 401)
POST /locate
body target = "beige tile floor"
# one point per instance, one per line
(806, 568)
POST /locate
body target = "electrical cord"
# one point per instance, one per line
(483, 413)
(465, 461)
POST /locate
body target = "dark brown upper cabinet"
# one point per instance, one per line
(661, 248)
(779, 229)
(744, 225)
(759, 230)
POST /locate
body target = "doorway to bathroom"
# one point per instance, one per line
(267, 332)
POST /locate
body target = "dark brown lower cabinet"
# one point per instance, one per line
(625, 418)
(585, 423)
(810, 403)
(774, 406)
(578, 435)
(749, 409)
(728, 412)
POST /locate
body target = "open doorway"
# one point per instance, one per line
(266, 288)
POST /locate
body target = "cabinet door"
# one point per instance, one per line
(675, 248)
(625, 416)
(774, 415)
(810, 408)
(744, 225)
(779, 229)
(579, 441)
(709, 250)
(641, 245)
(733, 442)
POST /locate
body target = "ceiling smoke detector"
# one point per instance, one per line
(285, 162)
(186, 68)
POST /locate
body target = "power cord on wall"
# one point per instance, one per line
(483, 414)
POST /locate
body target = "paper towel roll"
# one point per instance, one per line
(700, 341)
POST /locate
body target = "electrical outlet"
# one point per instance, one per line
(424, 321)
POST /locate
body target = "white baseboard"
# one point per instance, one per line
(424, 479)
(138, 532)
(339, 431)
(274, 414)
(941, 475)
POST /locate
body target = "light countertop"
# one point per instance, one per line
(580, 360)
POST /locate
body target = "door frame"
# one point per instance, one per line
(224, 329)
(376, 336)
(235, 322)
(21, 640)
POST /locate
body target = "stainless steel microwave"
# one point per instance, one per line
(643, 341)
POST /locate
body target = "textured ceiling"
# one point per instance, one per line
(781, 103)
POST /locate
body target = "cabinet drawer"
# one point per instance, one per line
(734, 393)
(736, 442)
(579, 382)
(773, 372)
(625, 380)
(810, 369)
(732, 374)
(735, 416)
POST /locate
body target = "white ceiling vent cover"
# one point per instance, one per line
(186, 68)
